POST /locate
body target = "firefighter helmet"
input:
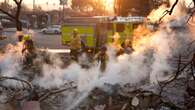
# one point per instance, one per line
(26, 37)
(103, 48)
(75, 31)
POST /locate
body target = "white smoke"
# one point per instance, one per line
(9, 60)
(150, 64)
(125, 69)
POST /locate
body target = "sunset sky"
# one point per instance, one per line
(52, 4)
(42, 1)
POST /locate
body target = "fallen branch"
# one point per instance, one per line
(45, 96)
(124, 106)
(2, 78)
(10, 15)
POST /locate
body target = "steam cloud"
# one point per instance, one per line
(149, 63)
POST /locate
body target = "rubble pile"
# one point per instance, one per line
(31, 89)
(133, 99)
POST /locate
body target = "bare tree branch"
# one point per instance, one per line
(2, 78)
(191, 12)
(45, 96)
(7, 13)
(18, 2)
(53, 93)
(173, 6)
(169, 11)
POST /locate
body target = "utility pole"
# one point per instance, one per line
(63, 11)
(63, 3)
(33, 5)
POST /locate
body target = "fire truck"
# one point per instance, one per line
(97, 31)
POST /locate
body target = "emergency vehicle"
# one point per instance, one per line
(96, 31)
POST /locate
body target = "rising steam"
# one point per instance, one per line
(149, 63)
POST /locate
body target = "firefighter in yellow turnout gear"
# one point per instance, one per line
(75, 45)
(28, 44)
(102, 58)
(28, 50)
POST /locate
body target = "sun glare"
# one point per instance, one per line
(109, 5)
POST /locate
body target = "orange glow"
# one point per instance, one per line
(116, 41)
(141, 38)
(109, 5)
(155, 15)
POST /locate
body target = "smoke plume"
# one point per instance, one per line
(149, 63)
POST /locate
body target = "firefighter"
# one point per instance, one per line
(20, 38)
(116, 41)
(28, 50)
(116, 44)
(75, 45)
(28, 44)
(102, 58)
(127, 46)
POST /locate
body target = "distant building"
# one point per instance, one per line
(40, 18)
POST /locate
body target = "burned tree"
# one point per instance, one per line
(16, 16)
(191, 11)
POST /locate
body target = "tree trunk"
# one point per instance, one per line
(18, 25)
(17, 18)
(17, 15)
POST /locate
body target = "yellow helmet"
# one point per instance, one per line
(26, 37)
(75, 31)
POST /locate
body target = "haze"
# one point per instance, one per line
(45, 4)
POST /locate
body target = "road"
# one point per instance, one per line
(40, 40)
